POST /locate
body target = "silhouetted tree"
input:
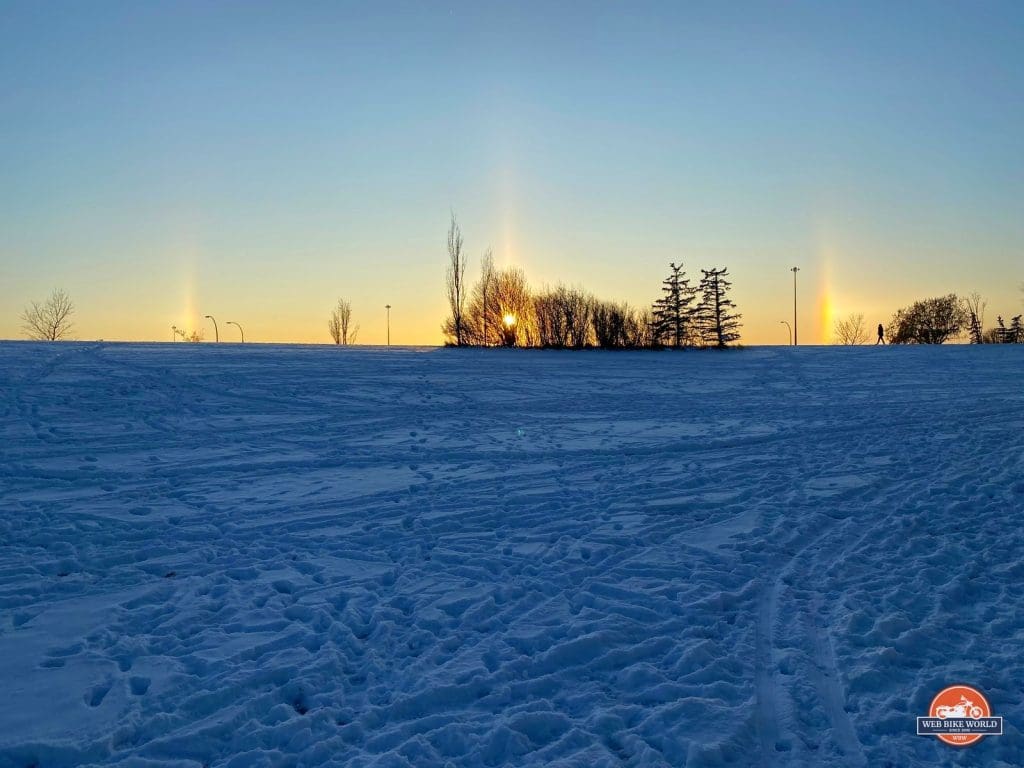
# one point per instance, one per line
(49, 320)
(719, 323)
(340, 324)
(975, 306)
(454, 327)
(563, 317)
(195, 337)
(551, 330)
(851, 330)
(482, 319)
(486, 283)
(996, 335)
(929, 321)
(334, 326)
(515, 306)
(609, 323)
(643, 329)
(673, 312)
(618, 326)
(976, 334)
(576, 306)
(1016, 332)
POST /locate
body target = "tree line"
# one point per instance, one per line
(501, 309)
(935, 321)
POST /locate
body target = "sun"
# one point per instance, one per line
(509, 320)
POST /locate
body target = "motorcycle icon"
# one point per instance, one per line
(966, 708)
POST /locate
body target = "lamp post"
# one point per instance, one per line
(794, 270)
(232, 322)
(388, 308)
(216, 333)
(790, 331)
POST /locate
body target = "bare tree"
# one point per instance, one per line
(194, 337)
(547, 308)
(617, 326)
(643, 328)
(515, 304)
(851, 330)
(482, 320)
(349, 332)
(454, 327)
(334, 326)
(340, 325)
(577, 306)
(49, 320)
(564, 318)
(975, 306)
(486, 284)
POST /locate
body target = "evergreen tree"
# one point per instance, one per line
(977, 337)
(719, 322)
(1016, 331)
(674, 313)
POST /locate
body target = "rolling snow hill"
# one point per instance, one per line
(234, 555)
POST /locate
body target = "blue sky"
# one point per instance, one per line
(163, 161)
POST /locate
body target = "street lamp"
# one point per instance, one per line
(216, 333)
(232, 322)
(388, 308)
(790, 331)
(794, 270)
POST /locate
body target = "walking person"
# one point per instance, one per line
(881, 335)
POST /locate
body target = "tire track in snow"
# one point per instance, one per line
(766, 687)
(825, 675)
(774, 736)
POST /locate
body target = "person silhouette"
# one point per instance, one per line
(881, 335)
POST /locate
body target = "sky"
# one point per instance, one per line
(255, 161)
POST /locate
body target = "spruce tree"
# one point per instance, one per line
(719, 322)
(674, 313)
(977, 337)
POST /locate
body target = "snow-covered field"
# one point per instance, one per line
(234, 555)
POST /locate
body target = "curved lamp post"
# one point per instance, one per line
(790, 331)
(216, 333)
(232, 322)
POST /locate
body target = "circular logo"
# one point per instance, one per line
(960, 702)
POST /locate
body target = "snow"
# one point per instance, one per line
(235, 555)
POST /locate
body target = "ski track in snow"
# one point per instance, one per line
(254, 555)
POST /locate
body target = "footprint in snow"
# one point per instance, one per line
(95, 695)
